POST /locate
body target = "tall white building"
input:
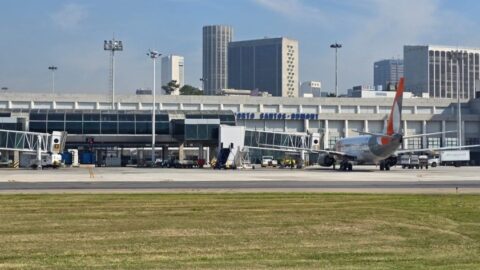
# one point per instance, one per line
(215, 57)
(311, 89)
(433, 70)
(173, 70)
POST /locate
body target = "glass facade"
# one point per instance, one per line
(11, 126)
(444, 69)
(451, 141)
(332, 140)
(256, 65)
(434, 142)
(414, 143)
(107, 122)
(201, 132)
(387, 72)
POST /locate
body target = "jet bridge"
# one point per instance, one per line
(23, 141)
(240, 141)
(282, 141)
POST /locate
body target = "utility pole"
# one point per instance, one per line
(336, 46)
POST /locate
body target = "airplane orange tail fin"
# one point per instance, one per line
(394, 123)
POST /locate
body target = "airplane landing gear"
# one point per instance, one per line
(384, 166)
(345, 165)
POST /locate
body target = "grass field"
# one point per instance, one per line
(240, 231)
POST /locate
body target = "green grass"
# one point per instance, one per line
(240, 231)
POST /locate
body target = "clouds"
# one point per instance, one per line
(369, 29)
(69, 16)
(70, 34)
(293, 9)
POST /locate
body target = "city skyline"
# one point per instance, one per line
(69, 35)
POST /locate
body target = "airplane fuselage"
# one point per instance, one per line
(369, 149)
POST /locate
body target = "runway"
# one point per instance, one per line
(258, 186)
(364, 179)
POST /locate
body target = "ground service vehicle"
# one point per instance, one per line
(423, 161)
(268, 161)
(434, 162)
(288, 162)
(456, 158)
(409, 161)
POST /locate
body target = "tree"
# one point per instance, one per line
(171, 87)
(188, 90)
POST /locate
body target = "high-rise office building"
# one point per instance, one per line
(269, 64)
(215, 51)
(173, 70)
(387, 72)
(433, 70)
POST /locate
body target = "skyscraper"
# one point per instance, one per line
(215, 56)
(433, 70)
(269, 64)
(173, 70)
(387, 72)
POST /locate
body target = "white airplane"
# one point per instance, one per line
(376, 149)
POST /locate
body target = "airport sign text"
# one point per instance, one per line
(276, 116)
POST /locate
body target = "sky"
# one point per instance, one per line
(69, 34)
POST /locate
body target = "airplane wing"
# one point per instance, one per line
(296, 149)
(436, 149)
(339, 155)
(371, 133)
(428, 134)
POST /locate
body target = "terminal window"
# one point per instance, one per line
(434, 142)
(451, 141)
(332, 141)
(415, 143)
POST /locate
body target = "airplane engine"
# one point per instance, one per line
(326, 160)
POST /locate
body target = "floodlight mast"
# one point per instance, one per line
(336, 46)
(458, 56)
(53, 69)
(112, 46)
(153, 55)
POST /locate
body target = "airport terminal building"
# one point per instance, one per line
(193, 121)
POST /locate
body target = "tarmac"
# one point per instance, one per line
(313, 179)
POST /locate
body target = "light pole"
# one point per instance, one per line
(457, 56)
(112, 46)
(153, 55)
(53, 69)
(336, 46)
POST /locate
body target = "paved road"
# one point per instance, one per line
(361, 186)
